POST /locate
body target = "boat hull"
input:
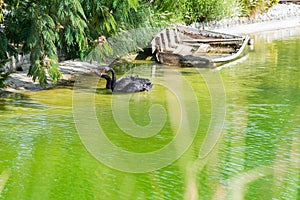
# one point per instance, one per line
(186, 46)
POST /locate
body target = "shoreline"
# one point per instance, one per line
(281, 16)
(260, 27)
(70, 69)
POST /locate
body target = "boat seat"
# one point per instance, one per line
(202, 48)
(172, 38)
(165, 41)
(183, 50)
(169, 40)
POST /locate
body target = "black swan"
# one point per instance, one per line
(126, 84)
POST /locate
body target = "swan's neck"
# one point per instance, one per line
(113, 80)
(108, 81)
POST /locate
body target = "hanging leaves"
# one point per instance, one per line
(43, 28)
(3, 58)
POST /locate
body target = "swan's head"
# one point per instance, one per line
(96, 71)
(106, 69)
(100, 72)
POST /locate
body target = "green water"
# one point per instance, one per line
(236, 133)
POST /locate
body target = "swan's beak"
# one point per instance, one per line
(102, 71)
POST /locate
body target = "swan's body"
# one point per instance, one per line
(126, 84)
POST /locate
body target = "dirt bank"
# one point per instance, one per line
(19, 81)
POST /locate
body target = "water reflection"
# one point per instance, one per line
(259, 140)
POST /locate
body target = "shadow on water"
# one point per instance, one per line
(11, 99)
(103, 91)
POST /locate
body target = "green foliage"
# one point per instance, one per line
(199, 10)
(233, 8)
(2, 6)
(70, 26)
(33, 26)
(5, 51)
(208, 10)
(100, 19)
(202, 10)
(3, 77)
(253, 7)
(122, 43)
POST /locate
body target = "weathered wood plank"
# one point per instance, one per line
(165, 41)
(212, 40)
(172, 38)
(183, 50)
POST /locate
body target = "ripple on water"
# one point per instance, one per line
(40, 147)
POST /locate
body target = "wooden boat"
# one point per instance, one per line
(186, 46)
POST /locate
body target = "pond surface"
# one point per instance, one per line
(226, 133)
